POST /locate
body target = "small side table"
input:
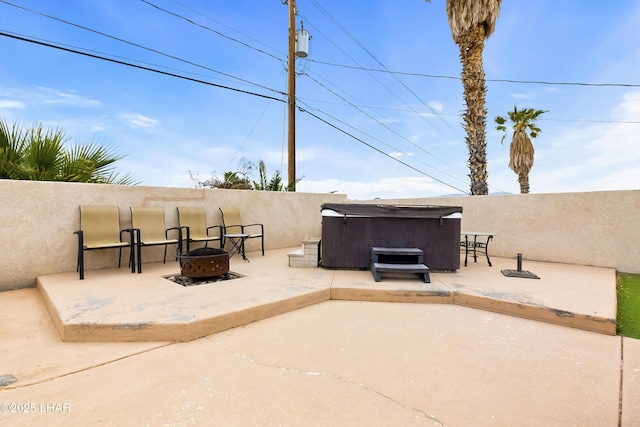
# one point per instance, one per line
(477, 244)
(237, 240)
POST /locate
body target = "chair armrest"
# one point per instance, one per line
(224, 227)
(254, 225)
(131, 235)
(216, 226)
(179, 229)
(80, 234)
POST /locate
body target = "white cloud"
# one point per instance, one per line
(601, 156)
(398, 154)
(68, 99)
(43, 96)
(435, 105)
(385, 188)
(7, 103)
(629, 108)
(139, 121)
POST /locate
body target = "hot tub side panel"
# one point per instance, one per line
(347, 241)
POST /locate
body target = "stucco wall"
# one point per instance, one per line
(594, 228)
(38, 220)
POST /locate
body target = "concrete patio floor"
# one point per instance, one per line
(287, 346)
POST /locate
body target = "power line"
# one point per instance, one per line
(232, 29)
(260, 95)
(373, 77)
(133, 44)
(209, 29)
(458, 115)
(95, 56)
(390, 129)
(116, 61)
(379, 150)
(435, 76)
(345, 31)
(593, 121)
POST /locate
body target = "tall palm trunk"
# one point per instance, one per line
(521, 154)
(471, 22)
(471, 46)
(523, 180)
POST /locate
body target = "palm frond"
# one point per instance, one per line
(43, 155)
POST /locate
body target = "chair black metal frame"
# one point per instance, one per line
(195, 217)
(149, 227)
(232, 224)
(103, 223)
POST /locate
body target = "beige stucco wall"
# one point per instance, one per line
(38, 220)
(594, 228)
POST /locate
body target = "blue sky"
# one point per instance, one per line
(410, 113)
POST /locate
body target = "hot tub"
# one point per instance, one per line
(349, 231)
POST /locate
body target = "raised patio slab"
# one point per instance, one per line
(115, 305)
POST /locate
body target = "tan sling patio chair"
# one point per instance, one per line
(194, 221)
(232, 224)
(100, 229)
(149, 225)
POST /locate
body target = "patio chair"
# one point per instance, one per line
(149, 225)
(232, 224)
(100, 229)
(193, 220)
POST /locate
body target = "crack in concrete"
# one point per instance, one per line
(620, 391)
(250, 359)
(66, 374)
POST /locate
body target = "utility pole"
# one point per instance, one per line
(291, 162)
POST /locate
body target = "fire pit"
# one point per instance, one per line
(204, 263)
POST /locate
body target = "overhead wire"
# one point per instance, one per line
(24, 38)
(437, 76)
(164, 54)
(209, 29)
(232, 29)
(76, 50)
(388, 128)
(133, 44)
(421, 148)
(95, 56)
(381, 151)
(394, 94)
(116, 61)
(192, 22)
(368, 52)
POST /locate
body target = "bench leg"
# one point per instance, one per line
(427, 278)
(376, 275)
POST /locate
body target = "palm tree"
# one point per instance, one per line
(273, 184)
(521, 149)
(12, 142)
(38, 154)
(235, 181)
(471, 22)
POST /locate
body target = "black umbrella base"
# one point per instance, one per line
(520, 273)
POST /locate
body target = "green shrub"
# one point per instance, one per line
(628, 292)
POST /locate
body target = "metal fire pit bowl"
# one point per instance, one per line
(204, 262)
